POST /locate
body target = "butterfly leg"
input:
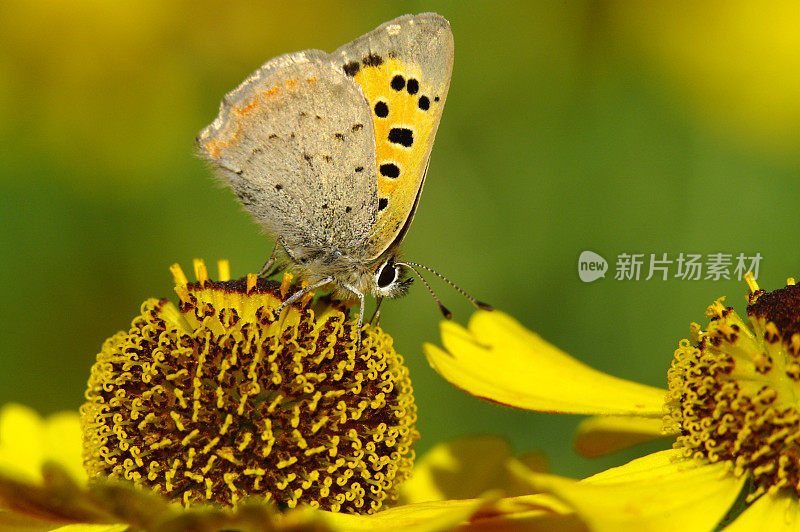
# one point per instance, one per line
(360, 321)
(270, 261)
(360, 313)
(300, 293)
(376, 316)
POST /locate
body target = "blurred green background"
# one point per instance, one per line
(616, 127)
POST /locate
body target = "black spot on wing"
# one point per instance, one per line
(348, 209)
(359, 168)
(424, 103)
(398, 82)
(402, 136)
(381, 110)
(357, 127)
(351, 68)
(338, 136)
(382, 203)
(390, 170)
(372, 60)
(412, 86)
(278, 187)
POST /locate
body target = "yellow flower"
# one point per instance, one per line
(731, 407)
(219, 414)
(219, 398)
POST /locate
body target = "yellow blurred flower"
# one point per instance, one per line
(731, 406)
(735, 64)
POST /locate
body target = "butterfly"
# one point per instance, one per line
(329, 153)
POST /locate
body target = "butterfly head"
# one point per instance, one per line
(390, 279)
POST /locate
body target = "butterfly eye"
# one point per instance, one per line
(387, 275)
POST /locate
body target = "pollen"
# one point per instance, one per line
(734, 389)
(217, 399)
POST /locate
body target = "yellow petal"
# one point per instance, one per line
(21, 441)
(10, 521)
(541, 512)
(63, 444)
(601, 435)
(54, 500)
(27, 441)
(657, 492)
(92, 528)
(527, 522)
(776, 512)
(500, 360)
(14, 521)
(427, 516)
(530, 512)
(465, 468)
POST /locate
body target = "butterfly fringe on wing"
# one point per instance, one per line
(329, 152)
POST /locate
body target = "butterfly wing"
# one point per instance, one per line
(296, 143)
(403, 68)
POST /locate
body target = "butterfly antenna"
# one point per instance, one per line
(446, 313)
(478, 304)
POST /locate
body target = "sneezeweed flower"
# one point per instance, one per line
(731, 407)
(218, 398)
(217, 414)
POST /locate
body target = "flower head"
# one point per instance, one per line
(733, 390)
(218, 399)
(731, 407)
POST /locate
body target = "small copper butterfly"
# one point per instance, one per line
(329, 152)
